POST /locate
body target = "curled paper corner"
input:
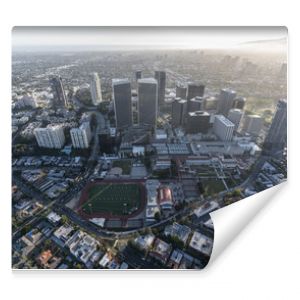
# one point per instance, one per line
(231, 220)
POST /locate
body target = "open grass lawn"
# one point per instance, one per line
(212, 186)
(117, 199)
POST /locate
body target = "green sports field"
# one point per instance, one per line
(113, 198)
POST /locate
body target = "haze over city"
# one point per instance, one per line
(143, 38)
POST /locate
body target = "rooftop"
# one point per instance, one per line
(201, 243)
(199, 113)
(224, 120)
(147, 80)
(117, 81)
(228, 90)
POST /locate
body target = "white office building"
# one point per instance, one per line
(95, 88)
(223, 128)
(81, 136)
(253, 124)
(50, 137)
(235, 115)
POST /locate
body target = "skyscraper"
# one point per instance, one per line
(138, 75)
(122, 102)
(196, 104)
(276, 138)
(197, 121)
(81, 136)
(226, 101)
(223, 128)
(60, 98)
(181, 91)
(147, 101)
(239, 102)
(160, 76)
(253, 124)
(178, 111)
(193, 90)
(95, 88)
(50, 137)
(235, 115)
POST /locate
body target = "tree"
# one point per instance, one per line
(25, 229)
(237, 193)
(64, 219)
(177, 242)
(157, 216)
(78, 266)
(48, 243)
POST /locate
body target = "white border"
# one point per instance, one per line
(263, 262)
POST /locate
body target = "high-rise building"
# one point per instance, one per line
(253, 124)
(181, 91)
(160, 76)
(81, 136)
(147, 101)
(138, 75)
(211, 103)
(223, 128)
(178, 111)
(196, 104)
(239, 102)
(194, 90)
(59, 94)
(276, 138)
(197, 122)
(226, 101)
(235, 115)
(95, 87)
(50, 137)
(122, 102)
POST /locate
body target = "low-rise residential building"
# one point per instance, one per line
(144, 242)
(26, 101)
(53, 217)
(181, 232)
(175, 259)
(206, 208)
(201, 243)
(161, 251)
(104, 261)
(47, 260)
(27, 242)
(62, 234)
(82, 246)
(28, 131)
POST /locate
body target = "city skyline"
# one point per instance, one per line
(118, 158)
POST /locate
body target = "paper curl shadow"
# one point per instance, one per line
(230, 221)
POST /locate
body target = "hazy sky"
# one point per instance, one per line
(136, 37)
